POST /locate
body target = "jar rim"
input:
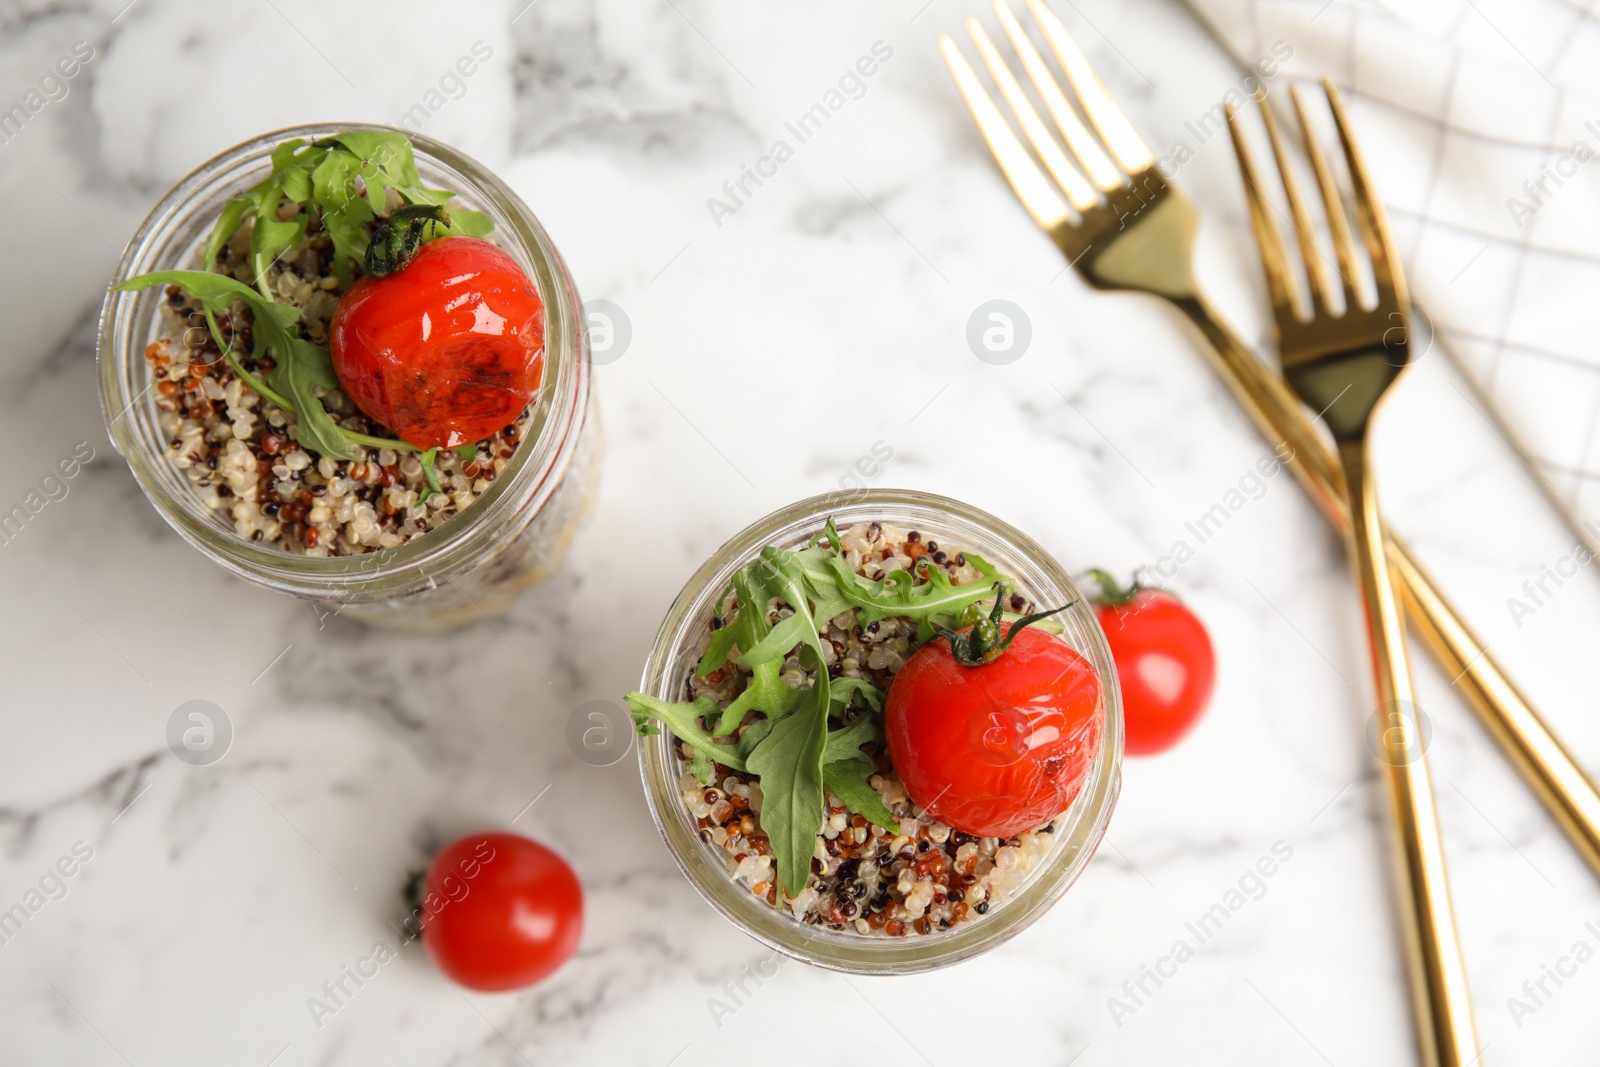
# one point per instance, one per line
(531, 474)
(1085, 821)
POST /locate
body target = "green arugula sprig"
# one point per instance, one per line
(791, 749)
(299, 367)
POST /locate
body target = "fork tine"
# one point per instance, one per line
(1281, 283)
(1374, 222)
(1101, 170)
(1338, 223)
(1079, 193)
(1123, 141)
(1030, 184)
(1299, 217)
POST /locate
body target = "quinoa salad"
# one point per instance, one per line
(357, 484)
(240, 453)
(880, 865)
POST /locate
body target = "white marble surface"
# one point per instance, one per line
(768, 353)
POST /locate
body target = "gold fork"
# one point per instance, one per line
(1343, 364)
(1123, 227)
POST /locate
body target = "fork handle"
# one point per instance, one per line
(1544, 763)
(1439, 997)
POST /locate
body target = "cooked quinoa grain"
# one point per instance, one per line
(923, 878)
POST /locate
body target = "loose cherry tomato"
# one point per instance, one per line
(445, 351)
(999, 748)
(500, 911)
(1164, 662)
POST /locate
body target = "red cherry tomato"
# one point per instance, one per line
(500, 911)
(1166, 667)
(998, 749)
(446, 351)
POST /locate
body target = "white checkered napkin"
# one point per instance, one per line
(1478, 119)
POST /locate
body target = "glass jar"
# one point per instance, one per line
(682, 637)
(513, 535)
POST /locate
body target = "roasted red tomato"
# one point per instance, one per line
(999, 747)
(499, 911)
(445, 351)
(1164, 663)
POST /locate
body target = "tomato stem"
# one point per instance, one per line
(983, 642)
(397, 240)
(1112, 593)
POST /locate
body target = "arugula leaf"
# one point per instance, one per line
(464, 223)
(789, 763)
(753, 592)
(789, 585)
(387, 161)
(717, 650)
(780, 639)
(847, 780)
(683, 719)
(289, 183)
(296, 183)
(216, 293)
(415, 193)
(702, 767)
(344, 213)
(836, 587)
(300, 367)
(315, 365)
(830, 531)
(292, 167)
(272, 239)
(765, 693)
(935, 604)
(846, 689)
(290, 180)
(846, 743)
(822, 583)
(792, 751)
(388, 149)
(308, 367)
(381, 160)
(283, 155)
(753, 735)
(232, 217)
(232, 360)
